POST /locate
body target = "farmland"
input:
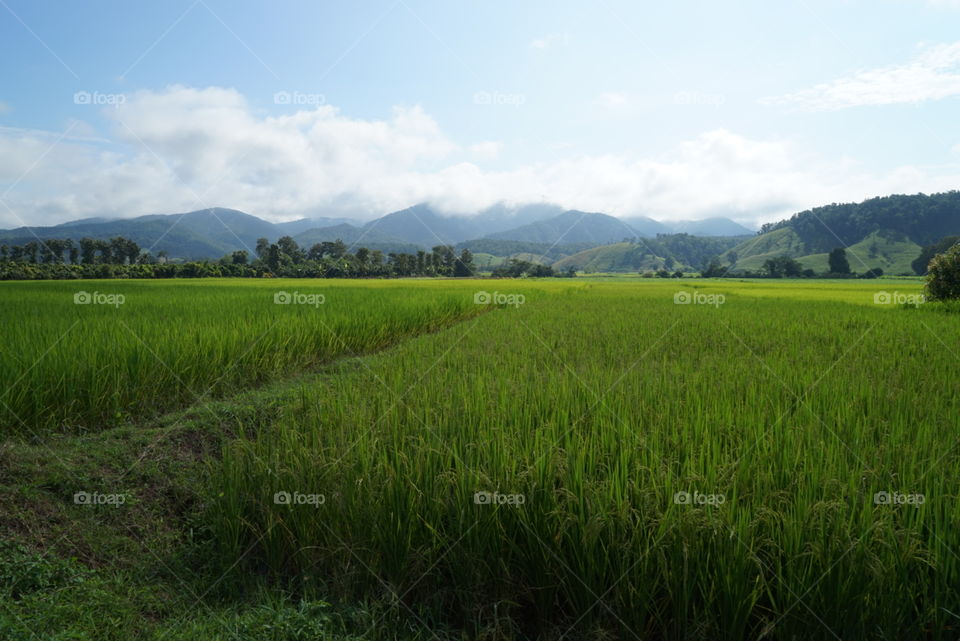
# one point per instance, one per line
(619, 458)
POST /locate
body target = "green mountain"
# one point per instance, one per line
(667, 251)
(360, 237)
(885, 232)
(207, 233)
(570, 227)
(717, 226)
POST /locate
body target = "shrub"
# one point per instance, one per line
(943, 277)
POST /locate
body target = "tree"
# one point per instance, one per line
(838, 261)
(923, 260)
(714, 270)
(263, 246)
(88, 251)
(464, 264)
(239, 257)
(783, 266)
(289, 247)
(943, 276)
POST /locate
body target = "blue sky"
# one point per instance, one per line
(294, 108)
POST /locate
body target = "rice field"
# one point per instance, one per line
(81, 356)
(615, 459)
(607, 462)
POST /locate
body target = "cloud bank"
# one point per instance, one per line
(183, 148)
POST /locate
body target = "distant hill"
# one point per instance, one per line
(674, 251)
(425, 226)
(207, 233)
(570, 227)
(647, 227)
(710, 227)
(509, 248)
(885, 232)
(351, 235)
(293, 227)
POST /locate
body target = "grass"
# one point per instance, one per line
(787, 407)
(598, 405)
(169, 344)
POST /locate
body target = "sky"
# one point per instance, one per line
(297, 108)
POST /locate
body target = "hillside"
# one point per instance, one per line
(571, 227)
(885, 232)
(207, 233)
(710, 227)
(426, 226)
(673, 251)
(890, 251)
(351, 235)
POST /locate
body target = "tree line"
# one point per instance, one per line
(123, 258)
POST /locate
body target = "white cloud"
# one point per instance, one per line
(182, 149)
(4, 107)
(550, 40)
(932, 75)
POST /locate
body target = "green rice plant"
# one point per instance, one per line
(85, 355)
(607, 459)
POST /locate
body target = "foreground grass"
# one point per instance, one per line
(137, 349)
(597, 403)
(696, 471)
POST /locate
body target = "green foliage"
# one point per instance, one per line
(167, 345)
(783, 267)
(943, 277)
(926, 255)
(922, 218)
(502, 411)
(838, 261)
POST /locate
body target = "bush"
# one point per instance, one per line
(943, 277)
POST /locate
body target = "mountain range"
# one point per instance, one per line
(212, 233)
